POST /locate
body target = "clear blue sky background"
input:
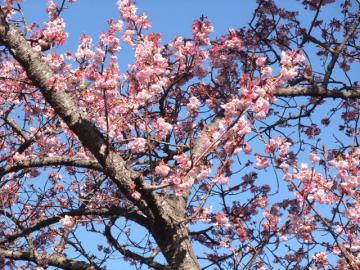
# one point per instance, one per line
(168, 17)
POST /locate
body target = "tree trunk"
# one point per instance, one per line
(175, 245)
(172, 236)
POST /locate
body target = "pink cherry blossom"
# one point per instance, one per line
(261, 60)
(314, 158)
(110, 41)
(162, 170)
(266, 71)
(221, 180)
(137, 145)
(193, 104)
(261, 162)
(221, 219)
(184, 161)
(162, 127)
(68, 222)
(320, 258)
(201, 31)
(54, 33)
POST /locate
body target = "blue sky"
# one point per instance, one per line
(168, 17)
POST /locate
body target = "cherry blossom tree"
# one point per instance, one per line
(239, 151)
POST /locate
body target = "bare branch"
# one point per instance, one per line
(336, 54)
(50, 161)
(129, 254)
(316, 92)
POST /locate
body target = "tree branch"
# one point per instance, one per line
(56, 260)
(103, 212)
(27, 140)
(316, 92)
(50, 161)
(129, 254)
(339, 49)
